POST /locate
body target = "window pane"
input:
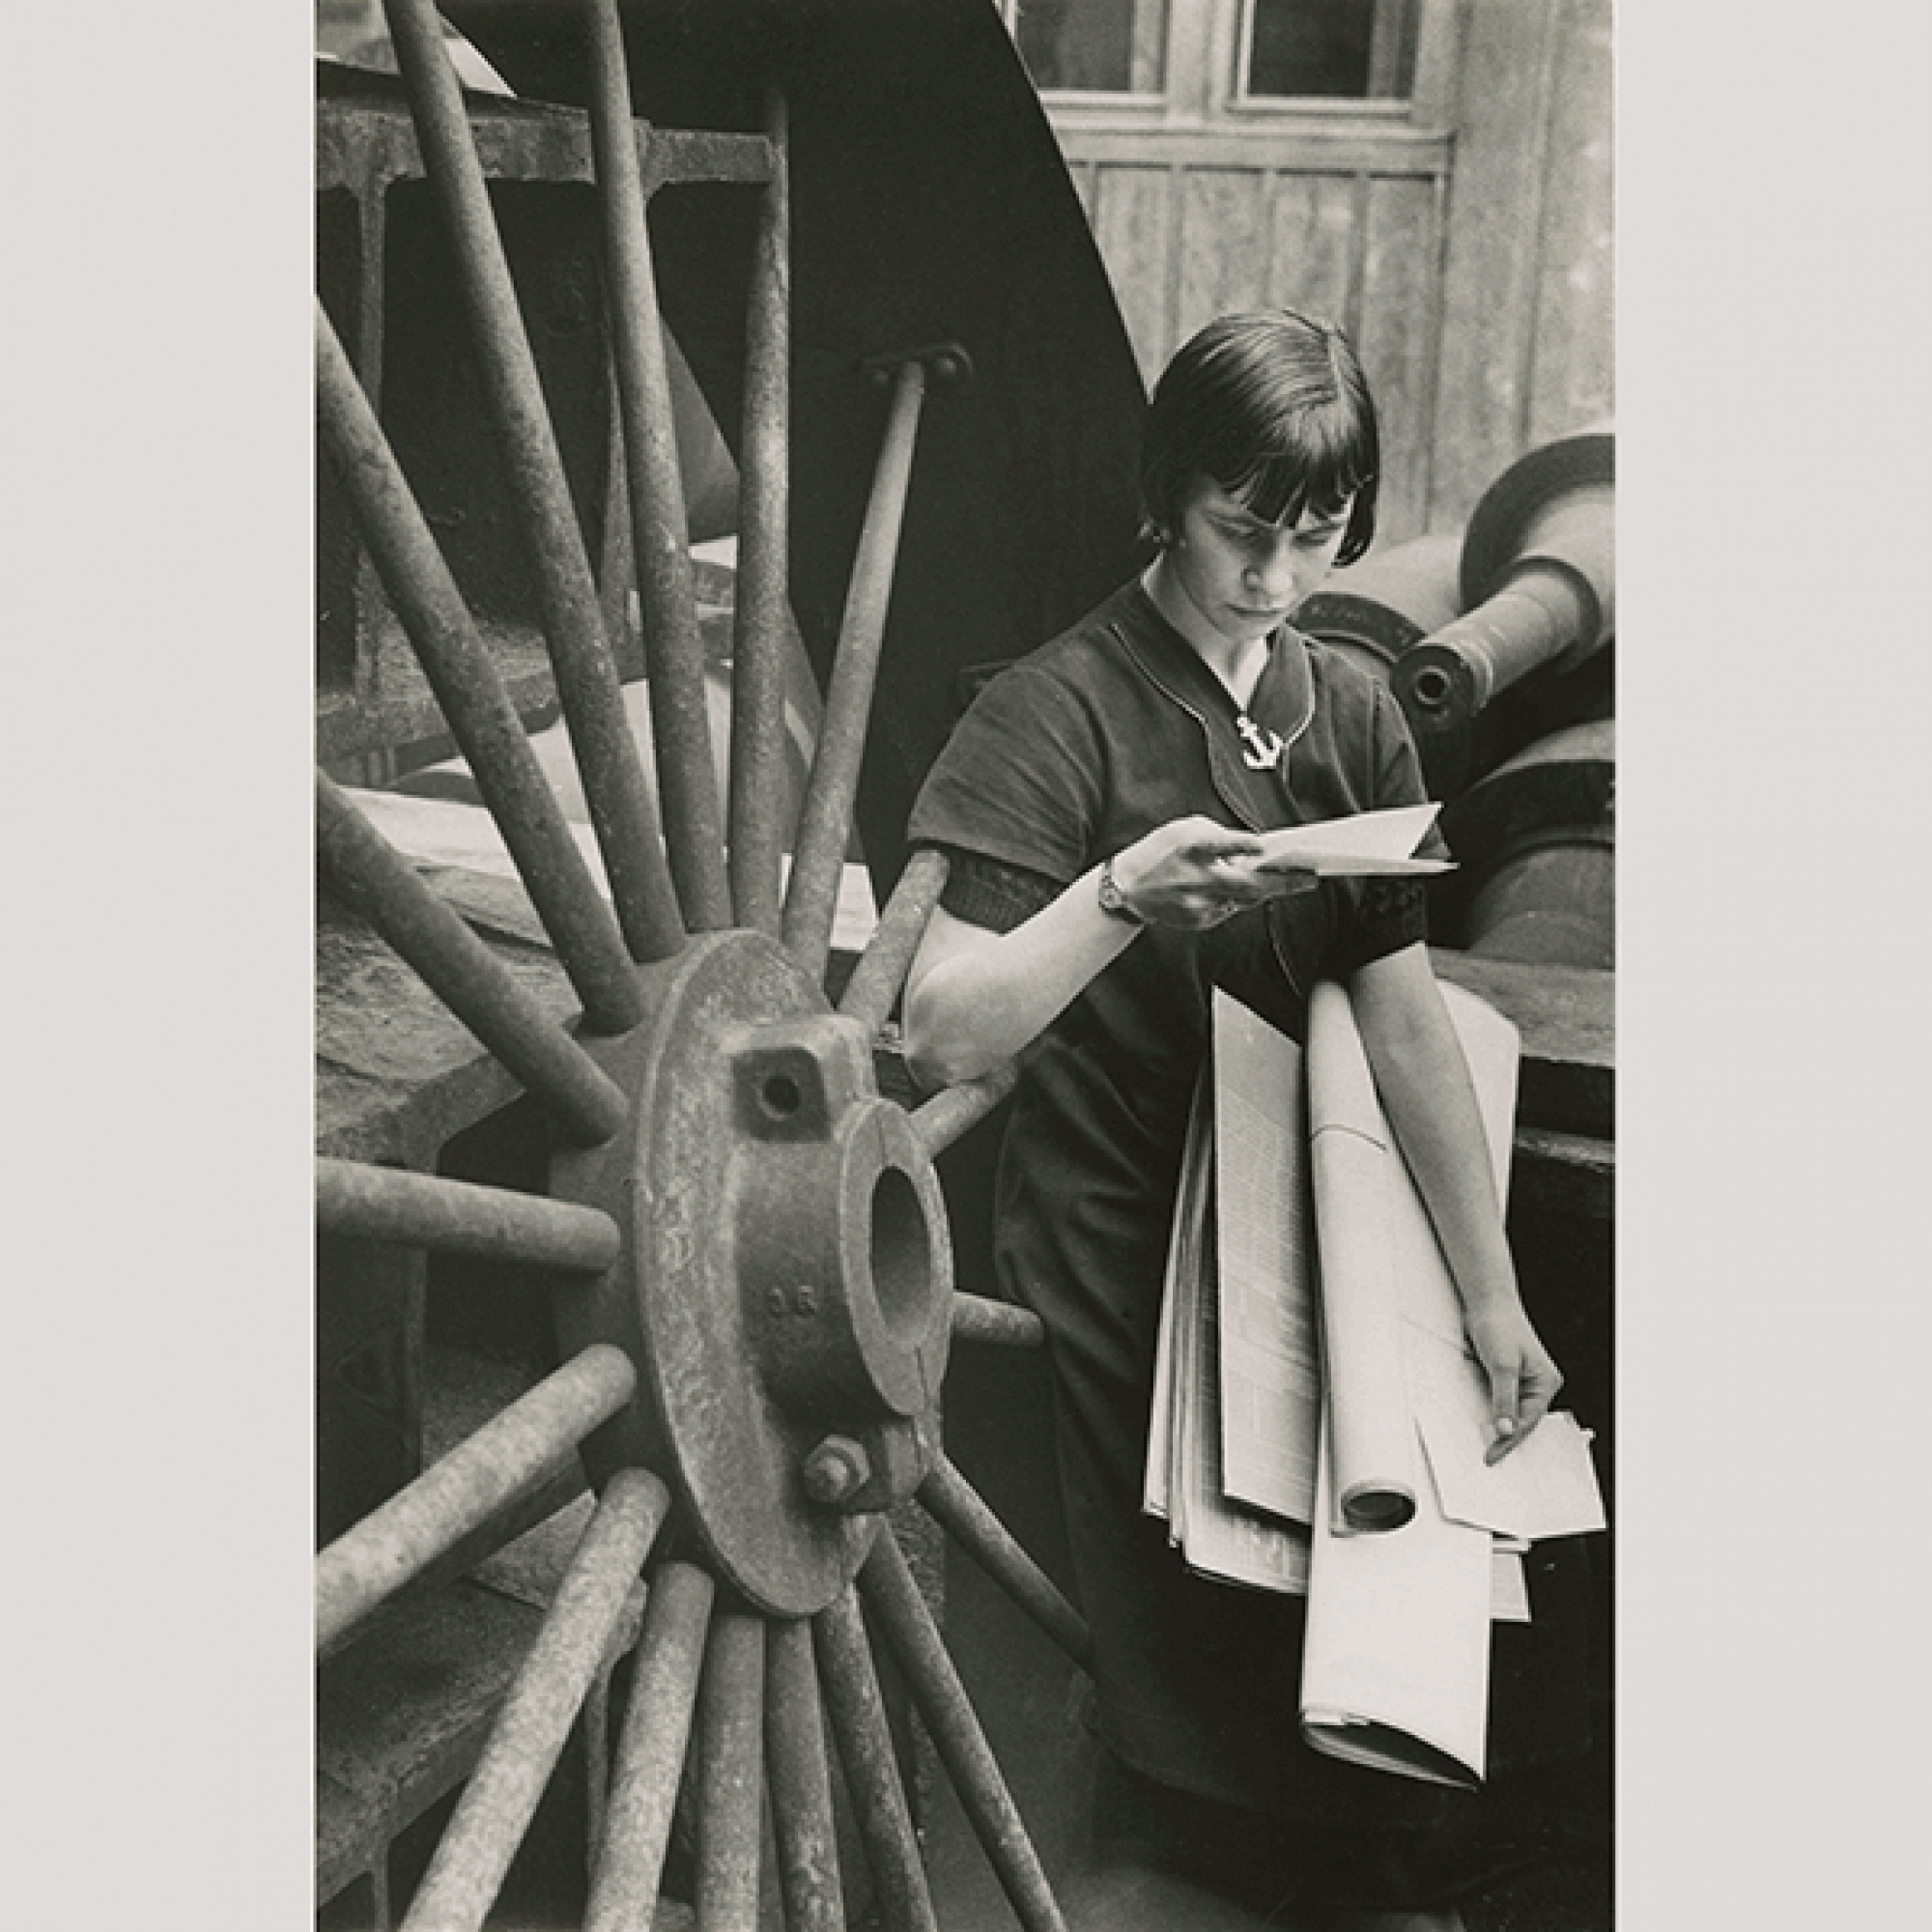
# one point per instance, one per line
(1348, 50)
(1102, 46)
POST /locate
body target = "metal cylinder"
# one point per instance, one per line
(1537, 584)
(368, 1564)
(500, 1799)
(460, 1218)
(1536, 841)
(1379, 608)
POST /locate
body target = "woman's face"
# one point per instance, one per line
(1240, 574)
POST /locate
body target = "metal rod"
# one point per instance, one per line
(500, 1799)
(761, 612)
(511, 1453)
(461, 1217)
(858, 1715)
(885, 1580)
(825, 820)
(474, 697)
(730, 1779)
(977, 1319)
(799, 1775)
(362, 868)
(659, 529)
(586, 674)
(874, 985)
(650, 1753)
(959, 1509)
(950, 1114)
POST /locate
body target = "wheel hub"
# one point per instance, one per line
(785, 1284)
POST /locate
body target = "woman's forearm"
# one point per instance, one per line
(1422, 1078)
(974, 998)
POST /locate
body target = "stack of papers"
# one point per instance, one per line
(1318, 1423)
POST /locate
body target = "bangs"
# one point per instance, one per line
(1323, 463)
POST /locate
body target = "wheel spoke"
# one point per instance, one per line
(586, 674)
(474, 700)
(976, 1317)
(367, 873)
(660, 535)
(874, 985)
(824, 832)
(858, 1715)
(731, 1802)
(890, 1594)
(799, 1775)
(946, 1117)
(460, 1218)
(650, 1754)
(496, 1806)
(509, 1453)
(759, 620)
(959, 1509)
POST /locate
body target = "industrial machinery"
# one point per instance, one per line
(738, 1234)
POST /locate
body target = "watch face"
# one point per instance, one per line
(1111, 900)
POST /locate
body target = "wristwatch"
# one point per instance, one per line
(1112, 902)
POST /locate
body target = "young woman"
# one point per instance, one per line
(1100, 801)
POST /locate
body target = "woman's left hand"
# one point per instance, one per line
(1524, 1380)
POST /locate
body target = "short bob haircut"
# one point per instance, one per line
(1275, 410)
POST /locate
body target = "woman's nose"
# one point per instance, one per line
(1274, 573)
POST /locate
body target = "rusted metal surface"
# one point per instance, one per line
(789, 1276)
(730, 1773)
(513, 1451)
(799, 1773)
(364, 869)
(873, 988)
(1537, 841)
(858, 1715)
(888, 1591)
(400, 1719)
(457, 1217)
(762, 616)
(660, 533)
(969, 1520)
(650, 1754)
(472, 695)
(825, 820)
(498, 1804)
(365, 140)
(976, 1317)
(586, 674)
(947, 1115)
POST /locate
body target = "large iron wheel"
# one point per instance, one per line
(742, 1238)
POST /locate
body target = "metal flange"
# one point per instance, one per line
(787, 1281)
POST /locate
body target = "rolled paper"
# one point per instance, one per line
(1371, 1431)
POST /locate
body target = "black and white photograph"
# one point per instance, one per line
(966, 1168)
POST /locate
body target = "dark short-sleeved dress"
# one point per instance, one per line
(1068, 756)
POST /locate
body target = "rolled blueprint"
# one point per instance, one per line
(1371, 1433)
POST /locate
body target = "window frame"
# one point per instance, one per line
(1204, 61)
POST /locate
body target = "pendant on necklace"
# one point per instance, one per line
(1263, 748)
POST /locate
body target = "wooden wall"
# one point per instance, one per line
(1466, 248)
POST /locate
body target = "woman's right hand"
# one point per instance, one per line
(1193, 873)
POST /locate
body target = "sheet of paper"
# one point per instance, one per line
(1509, 1587)
(1271, 1369)
(1395, 1668)
(1368, 843)
(446, 831)
(1546, 1486)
